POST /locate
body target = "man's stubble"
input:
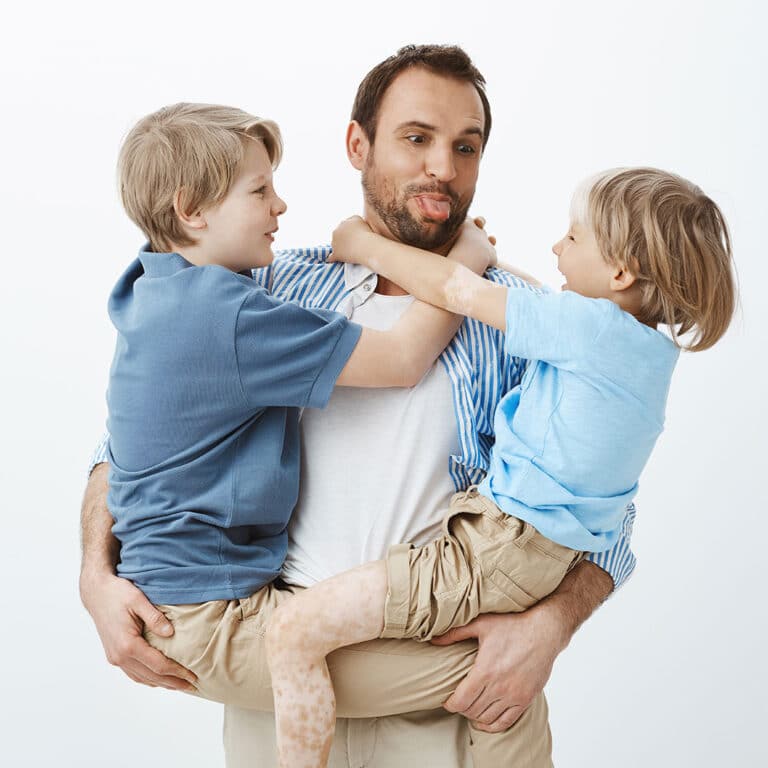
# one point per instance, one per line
(390, 205)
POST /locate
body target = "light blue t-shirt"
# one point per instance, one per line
(206, 384)
(573, 438)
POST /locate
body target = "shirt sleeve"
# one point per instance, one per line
(619, 561)
(288, 355)
(99, 455)
(556, 328)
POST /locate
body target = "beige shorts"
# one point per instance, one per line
(487, 562)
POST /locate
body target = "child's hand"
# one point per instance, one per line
(474, 248)
(349, 240)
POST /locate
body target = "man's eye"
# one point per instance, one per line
(415, 138)
(466, 149)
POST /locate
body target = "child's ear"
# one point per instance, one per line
(191, 219)
(358, 145)
(623, 277)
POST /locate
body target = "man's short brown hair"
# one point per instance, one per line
(445, 60)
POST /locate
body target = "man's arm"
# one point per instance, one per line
(517, 651)
(118, 609)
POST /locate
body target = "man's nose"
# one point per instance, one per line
(439, 163)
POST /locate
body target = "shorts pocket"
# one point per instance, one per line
(519, 597)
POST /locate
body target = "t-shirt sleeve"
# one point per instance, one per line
(557, 328)
(289, 355)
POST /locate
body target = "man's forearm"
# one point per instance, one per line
(100, 549)
(578, 596)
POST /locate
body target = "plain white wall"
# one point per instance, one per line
(671, 671)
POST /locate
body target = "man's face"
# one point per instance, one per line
(419, 176)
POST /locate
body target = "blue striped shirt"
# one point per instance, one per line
(479, 368)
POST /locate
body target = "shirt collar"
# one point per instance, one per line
(161, 264)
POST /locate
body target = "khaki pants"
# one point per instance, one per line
(487, 562)
(429, 739)
(222, 642)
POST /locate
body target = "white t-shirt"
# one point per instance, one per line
(374, 467)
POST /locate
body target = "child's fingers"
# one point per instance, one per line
(492, 239)
(479, 221)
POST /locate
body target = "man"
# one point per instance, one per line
(371, 459)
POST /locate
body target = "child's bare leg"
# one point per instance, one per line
(346, 609)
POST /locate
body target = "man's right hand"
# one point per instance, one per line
(120, 612)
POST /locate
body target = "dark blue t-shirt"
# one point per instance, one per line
(205, 388)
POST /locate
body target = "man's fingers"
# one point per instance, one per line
(504, 722)
(146, 676)
(469, 691)
(154, 620)
(138, 679)
(456, 635)
(487, 713)
(163, 667)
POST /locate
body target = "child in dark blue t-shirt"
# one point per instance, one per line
(210, 371)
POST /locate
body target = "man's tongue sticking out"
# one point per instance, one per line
(434, 207)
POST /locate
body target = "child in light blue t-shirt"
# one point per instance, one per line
(644, 248)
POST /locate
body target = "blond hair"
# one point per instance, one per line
(673, 238)
(189, 151)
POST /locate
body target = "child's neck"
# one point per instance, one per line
(197, 256)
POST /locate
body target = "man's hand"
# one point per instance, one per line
(349, 241)
(120, 612)
(516, 651)
(474, 248)
(514, 661)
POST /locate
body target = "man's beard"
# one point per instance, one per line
(392, 209)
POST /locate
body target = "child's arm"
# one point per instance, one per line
(401, 356)
(517, 272)
(435, 279)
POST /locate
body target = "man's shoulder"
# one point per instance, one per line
(500, 276)
(297, 272)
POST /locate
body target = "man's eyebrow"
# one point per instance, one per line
(470, 131)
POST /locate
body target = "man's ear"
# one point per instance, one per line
(358, 145)
(623, 277)
(194, 220)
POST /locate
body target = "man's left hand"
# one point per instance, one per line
(514, 661)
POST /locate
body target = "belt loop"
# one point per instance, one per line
(525, 535)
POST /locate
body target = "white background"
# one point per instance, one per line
(671, 672)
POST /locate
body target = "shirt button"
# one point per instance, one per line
(367, 287)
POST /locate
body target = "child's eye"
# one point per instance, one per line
(260, 190)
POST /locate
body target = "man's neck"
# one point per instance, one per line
(384, 286)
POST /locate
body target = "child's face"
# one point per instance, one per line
(581, 263)
(240, 229)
